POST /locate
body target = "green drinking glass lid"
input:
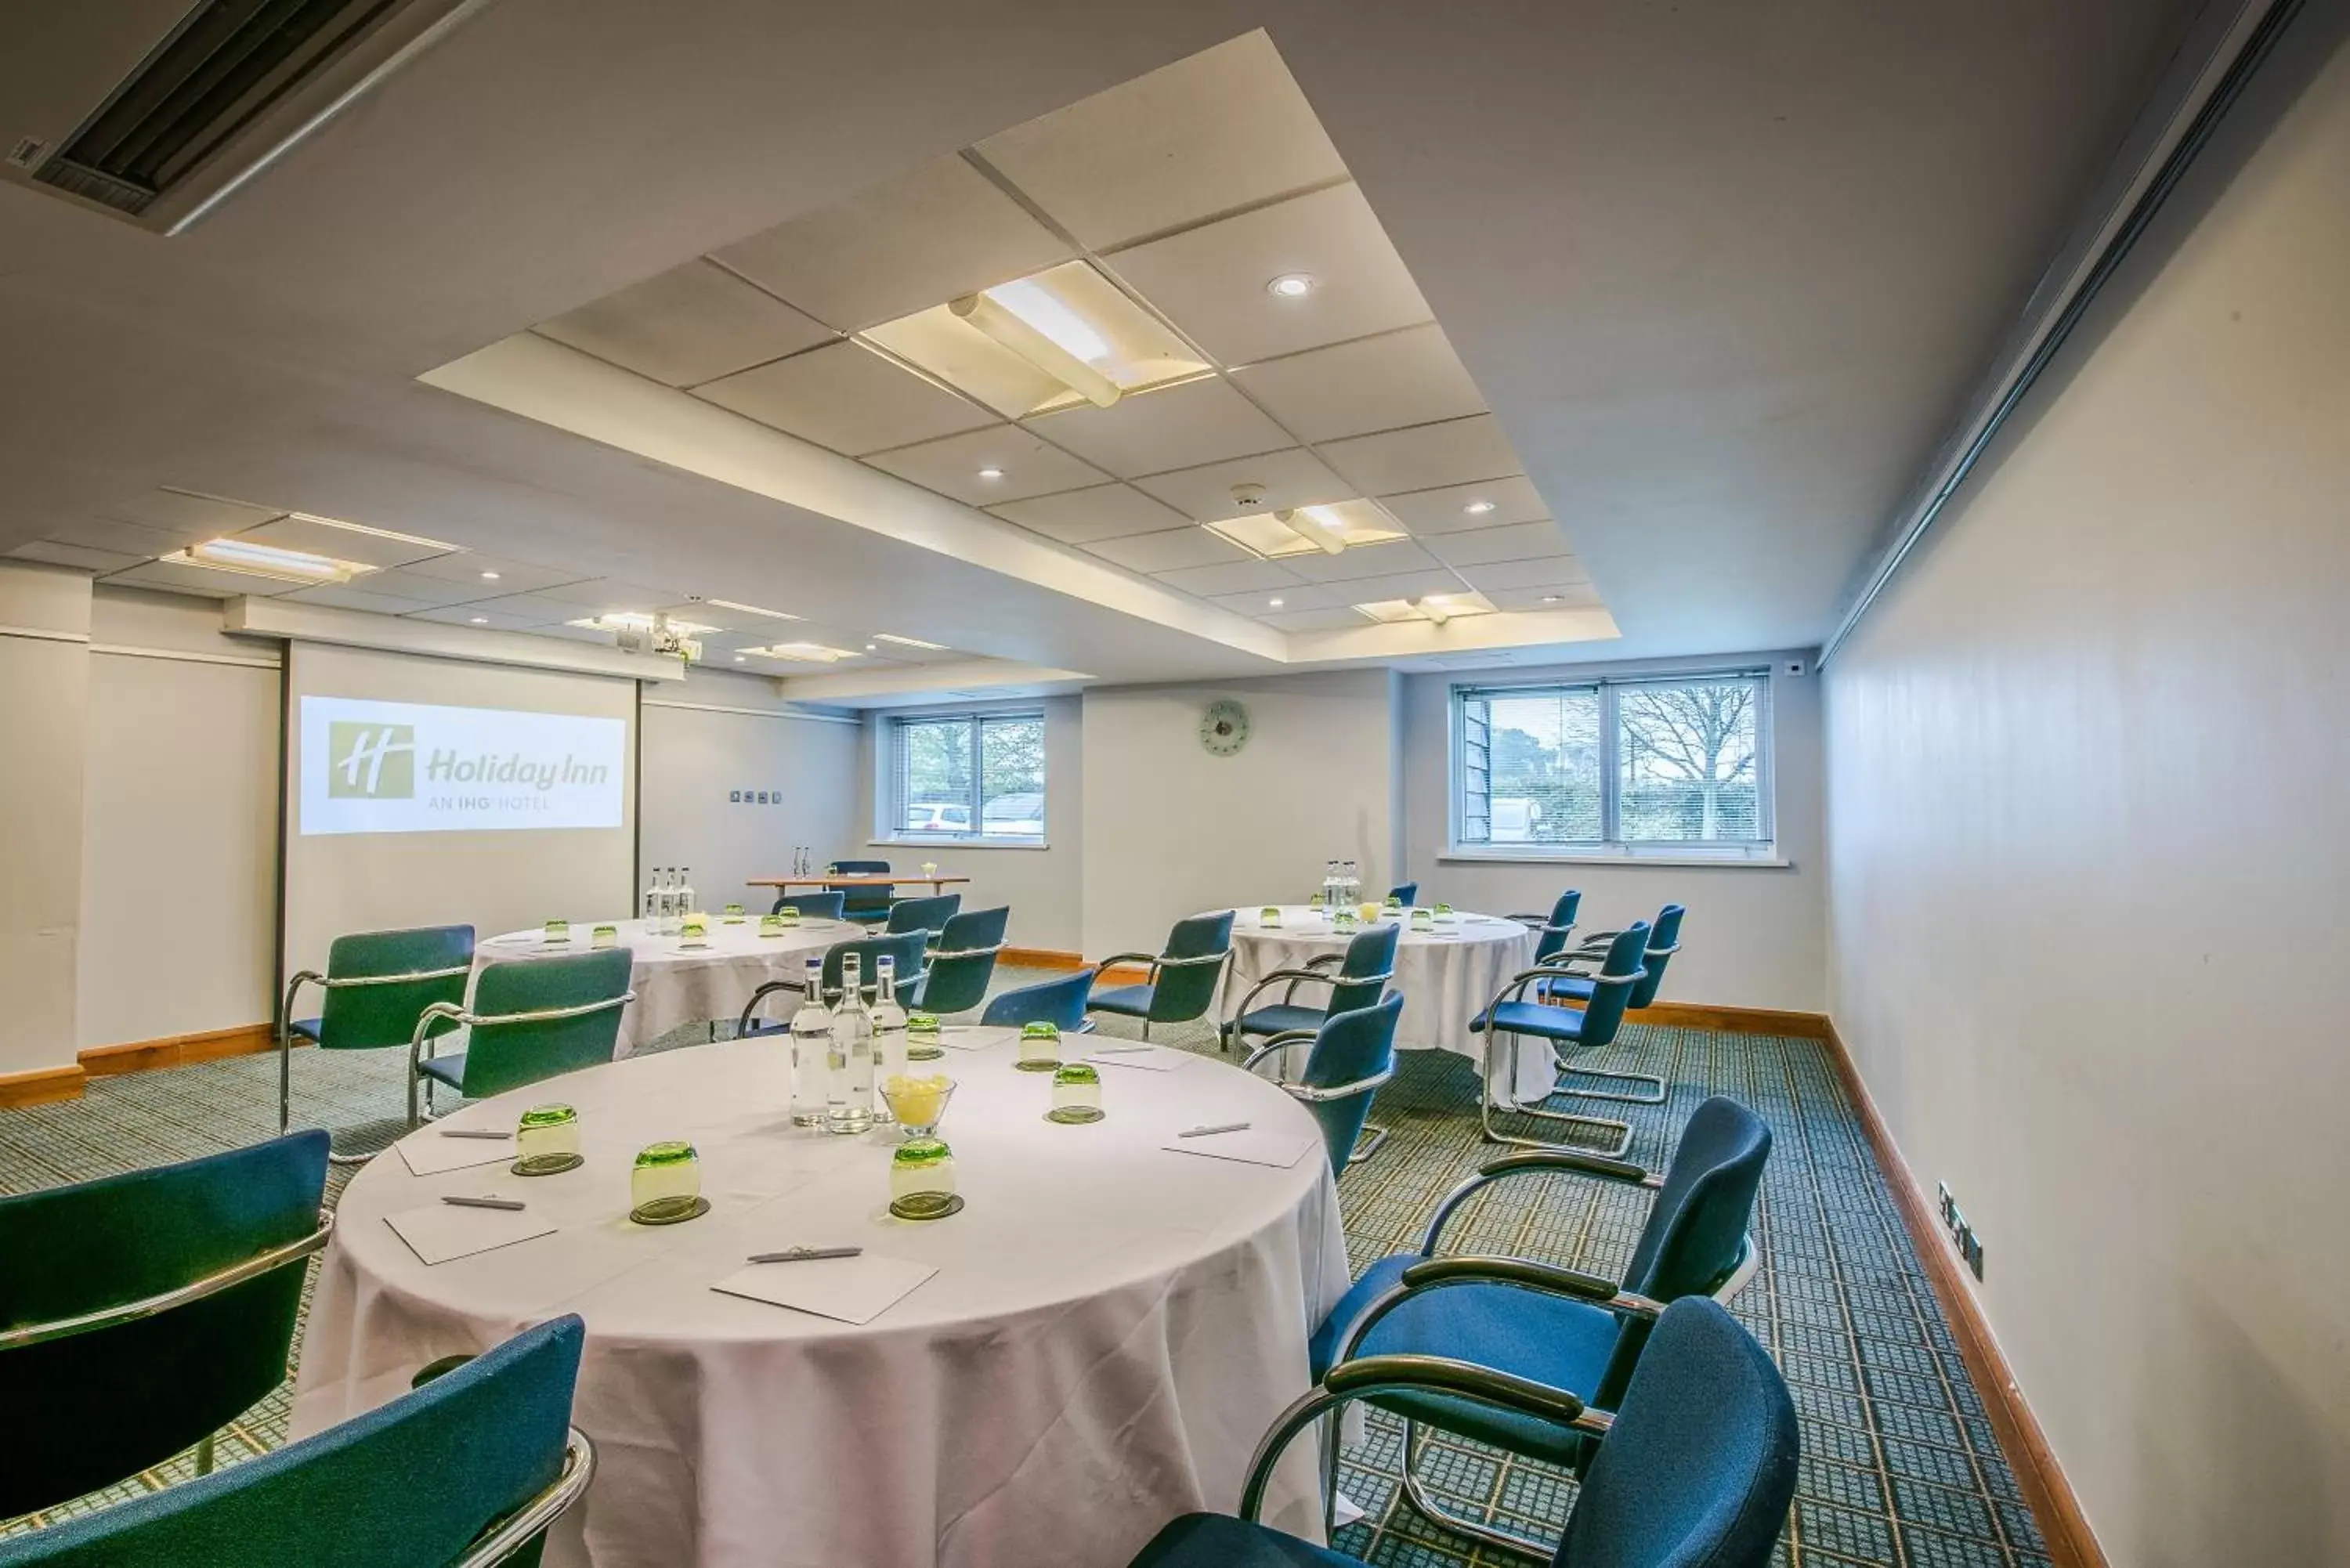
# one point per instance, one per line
(1394, 902)
(1077, 1072)
(921, 1023)
(1040, 1030)
(921, 1151)
(673, 1152)
(548, 1115)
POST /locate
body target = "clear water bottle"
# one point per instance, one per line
(685, 904)
(1329, 884)
(811, 1051)
(889, 1030)
(1353, 885)
(668, 925)
(653, 904)
(848, 1098)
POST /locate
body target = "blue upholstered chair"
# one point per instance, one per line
(467, 1471)
(1695, 1469)
(1554, 928)
(1060, 1001)
(1182, 980)
(1577, 989)
(1352, 1054)
(1512, 1014)
(963, 962)
(377, 984)
(1405, 893)
(812, 905)
(866, 905)
(141, 1314)
(929, 916)
(1357, 978)
(907, 951)
(530, 1020)
(1557, 1327)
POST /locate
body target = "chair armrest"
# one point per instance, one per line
(1372, 1376)
(751, 1008)
(1523, 1273)
(1115, 958)
(1295, 976)
(1315, 1095)
(1280, 1042)
(1554, 1162)
(1320, 960)
(514, 1532)
(179, 1295)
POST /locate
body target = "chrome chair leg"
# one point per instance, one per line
(1657, 1097)
(205, 1453)
(1476, 1529)
(1367, 1145)
(1623, 1130)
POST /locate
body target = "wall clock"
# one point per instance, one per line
(1224, 728)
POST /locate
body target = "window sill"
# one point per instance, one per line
(957, 843)
(1521, 855)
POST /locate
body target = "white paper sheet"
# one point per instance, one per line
(439, 1233)
(428, 1153)
(849, 1290)
(971, 1037)
(1279, 1150)
(1150, 1058)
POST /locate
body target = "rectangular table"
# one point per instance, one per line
(853, 879)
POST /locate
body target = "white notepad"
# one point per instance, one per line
(428, 1153)
(971, 1037)
(848, 1290)
(441, 1231)
(1150, 1058)
(1279, 1150)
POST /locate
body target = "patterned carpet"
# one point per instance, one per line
(1900, 1466)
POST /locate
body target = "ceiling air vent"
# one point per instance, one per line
(233, 86)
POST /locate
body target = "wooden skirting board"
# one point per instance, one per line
(177, 1050)
(41, 1085)
(2063, 1523)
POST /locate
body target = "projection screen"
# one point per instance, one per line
(427, 792)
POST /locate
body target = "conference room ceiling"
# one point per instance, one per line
(1717, 280)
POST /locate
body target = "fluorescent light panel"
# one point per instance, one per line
(804, 652)
(750, 609)
(1308, 529)
(633, 620)
(268, 561)
(1436, 608)
(909, 641)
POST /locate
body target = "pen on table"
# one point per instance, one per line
(475, 1132)
(1116, 1050)
(804, 1255)
(1219, 1128)
(485, 1202)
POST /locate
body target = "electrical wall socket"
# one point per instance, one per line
(1962, 1234)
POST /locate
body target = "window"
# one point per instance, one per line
(1680, 764)
(966, 775)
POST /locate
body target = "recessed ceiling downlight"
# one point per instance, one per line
(1477, 508)
(1290, 285)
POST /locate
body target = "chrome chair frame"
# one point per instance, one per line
(1513, 989)
(1548, 1278)
(1596, 947)
(286, 1036)
(1229, 1033)
(467, 1019)
(260, 1263)
(1157, 962)
(1369, 1143)
(508, 1536)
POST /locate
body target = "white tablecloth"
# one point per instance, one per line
(1112, 1327)
(1447, 977)
(676, 984)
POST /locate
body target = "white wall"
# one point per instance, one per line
(720, 732)
(2087, 767)
(44, 688)
(1171, 830)
(1755, 936)
(179, 847)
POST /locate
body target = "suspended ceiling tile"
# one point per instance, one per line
(846, 398)
(1292, 596)
(1445, 510)
(426, 590)
(1344, 618)
(187, 517)
(1425, 456)
(318, 538)
(476, 614)
(344, 595)
(1024, 466)
(605, 595)
(1212, 281)
(1407, 377)
(1082, 517)
(1235, 577)
(1362, 561)
(1518, 542)
(81, 557)
(1176, 426)
(752, 626)
(1225, 129)
(1402, 586)
(1545, 596)
(576, 633)
(512, 576)
(531, 609)
(1547, 571)
(939, 233)
(1174, 550)
(203, 581)
(1292, 478)
(135, 539)
(691, 324)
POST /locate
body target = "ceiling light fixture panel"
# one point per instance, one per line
(804, 652)
(268, 561)
(1330, 527)
(633, 620)
(1434, 607)
(750, 609)
(909, 641)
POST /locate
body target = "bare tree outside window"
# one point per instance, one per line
(970, 775)
(1688, 761)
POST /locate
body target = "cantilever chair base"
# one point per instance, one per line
(1486, 1108)
(1653, 1095)
(1368, 1144)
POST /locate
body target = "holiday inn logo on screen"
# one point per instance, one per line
(370, 762)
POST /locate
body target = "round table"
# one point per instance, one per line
(676, 984)
(1447, 975)
(1112, 1326)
